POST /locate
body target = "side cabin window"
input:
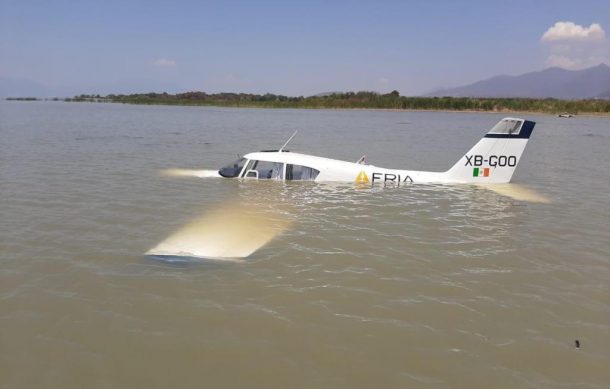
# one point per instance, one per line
(264, 170)
(298, 172)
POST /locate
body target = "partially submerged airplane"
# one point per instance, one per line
(492, 160)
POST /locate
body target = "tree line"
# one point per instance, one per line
(362, 99)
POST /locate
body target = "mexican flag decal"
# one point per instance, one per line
(480, 172)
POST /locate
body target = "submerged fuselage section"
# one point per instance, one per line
(492, 160)
(285, 165)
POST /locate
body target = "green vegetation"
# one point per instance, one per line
(23, 98)
(361, 100)
(35, 99)
(91, 99)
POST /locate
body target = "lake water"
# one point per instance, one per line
(417, 286)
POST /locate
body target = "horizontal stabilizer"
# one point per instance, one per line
(518, 192)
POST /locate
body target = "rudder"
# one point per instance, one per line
(496, 156)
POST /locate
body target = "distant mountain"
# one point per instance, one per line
(554, 82)
(605, 95)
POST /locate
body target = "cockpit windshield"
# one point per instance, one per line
(232, 170)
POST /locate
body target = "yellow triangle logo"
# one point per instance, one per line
(362, 178)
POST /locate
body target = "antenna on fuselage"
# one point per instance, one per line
(288, 141)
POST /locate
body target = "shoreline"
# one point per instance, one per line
(256, 106)
(595, 114)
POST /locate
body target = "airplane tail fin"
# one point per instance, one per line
(495, 157)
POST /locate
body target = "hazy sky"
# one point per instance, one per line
(293, 47)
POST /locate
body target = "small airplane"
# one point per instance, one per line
(492, 160)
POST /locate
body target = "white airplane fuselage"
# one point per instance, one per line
(334, 170)
(492, 160)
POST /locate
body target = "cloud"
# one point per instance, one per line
(383, 81)
(572, 46)
(562, 62)
(164, 63)
(569, 31)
